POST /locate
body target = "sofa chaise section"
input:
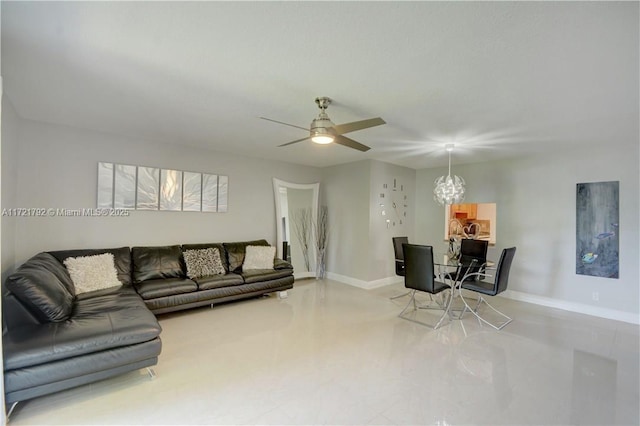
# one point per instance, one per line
(54, 339)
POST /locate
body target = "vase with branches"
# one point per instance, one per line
(321, 229)
(302, 223)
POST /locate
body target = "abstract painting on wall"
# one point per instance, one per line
(124, 186)
(597, 230)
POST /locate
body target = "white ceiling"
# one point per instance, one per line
(496, 78)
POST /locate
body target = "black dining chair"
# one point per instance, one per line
(419, 276)
(473, 257)
(399, 259)
(399, 255)
(484, 288)
(470, 250)
(474, 248)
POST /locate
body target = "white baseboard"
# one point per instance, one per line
(301, 275)
(573, 307)
(367, 285)
(510, 294)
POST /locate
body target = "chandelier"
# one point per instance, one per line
(449, 189)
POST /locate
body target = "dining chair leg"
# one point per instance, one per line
(447, 310)
(415, 308)
(474, 311)
(480, 299)
(442, 317)
(440, 303)
(499, 326)
(466, 305)
(412, 300)
(400, 295)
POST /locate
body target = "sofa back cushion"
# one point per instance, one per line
(219, 246)
(151, 263)
(42, 285)
(236, 252)
(121, 259)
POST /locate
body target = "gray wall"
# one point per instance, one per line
(345, 191)
(10, 124)
(57, 167)
(381, 255)
(536, 198)
(360, 249)
(53, 166)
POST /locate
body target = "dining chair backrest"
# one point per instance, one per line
(399, 256)
(419, 269)
(476, 249)
(397, 246)
(471, 250)
(503, 269)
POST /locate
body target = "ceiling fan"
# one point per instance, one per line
(323, 131)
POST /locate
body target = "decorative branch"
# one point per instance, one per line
(301, 220)
(321, 228)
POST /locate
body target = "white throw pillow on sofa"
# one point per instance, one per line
(90, 273)
(259, 257)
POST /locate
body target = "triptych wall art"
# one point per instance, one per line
(597, 229)
(122, 186)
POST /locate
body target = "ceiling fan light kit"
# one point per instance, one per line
(320, 126)
(323, 131)
(449, 189)
(322, 139)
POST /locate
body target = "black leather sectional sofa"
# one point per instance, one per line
(54, 339)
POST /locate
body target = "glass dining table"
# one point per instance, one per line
(453, 271)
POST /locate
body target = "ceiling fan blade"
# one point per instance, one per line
(358, 125)
(345, 141)
(286, 124)
(296, 141)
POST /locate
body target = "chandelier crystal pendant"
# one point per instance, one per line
(449, 189)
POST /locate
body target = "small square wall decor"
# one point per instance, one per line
(597, 229)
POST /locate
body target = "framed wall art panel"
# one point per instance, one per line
(170, 190)
(192, 192)
(209, 193)
(105, 185)
(597, 229)
(124, 187)
(148, 188)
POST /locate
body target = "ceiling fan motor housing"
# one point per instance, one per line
(320, 129)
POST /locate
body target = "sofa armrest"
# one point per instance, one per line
(14, 313)
(281, 264)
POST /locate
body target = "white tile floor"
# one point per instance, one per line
(335, 354)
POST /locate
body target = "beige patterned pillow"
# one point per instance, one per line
(90, 273)
(259, 257)
(203, 262)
